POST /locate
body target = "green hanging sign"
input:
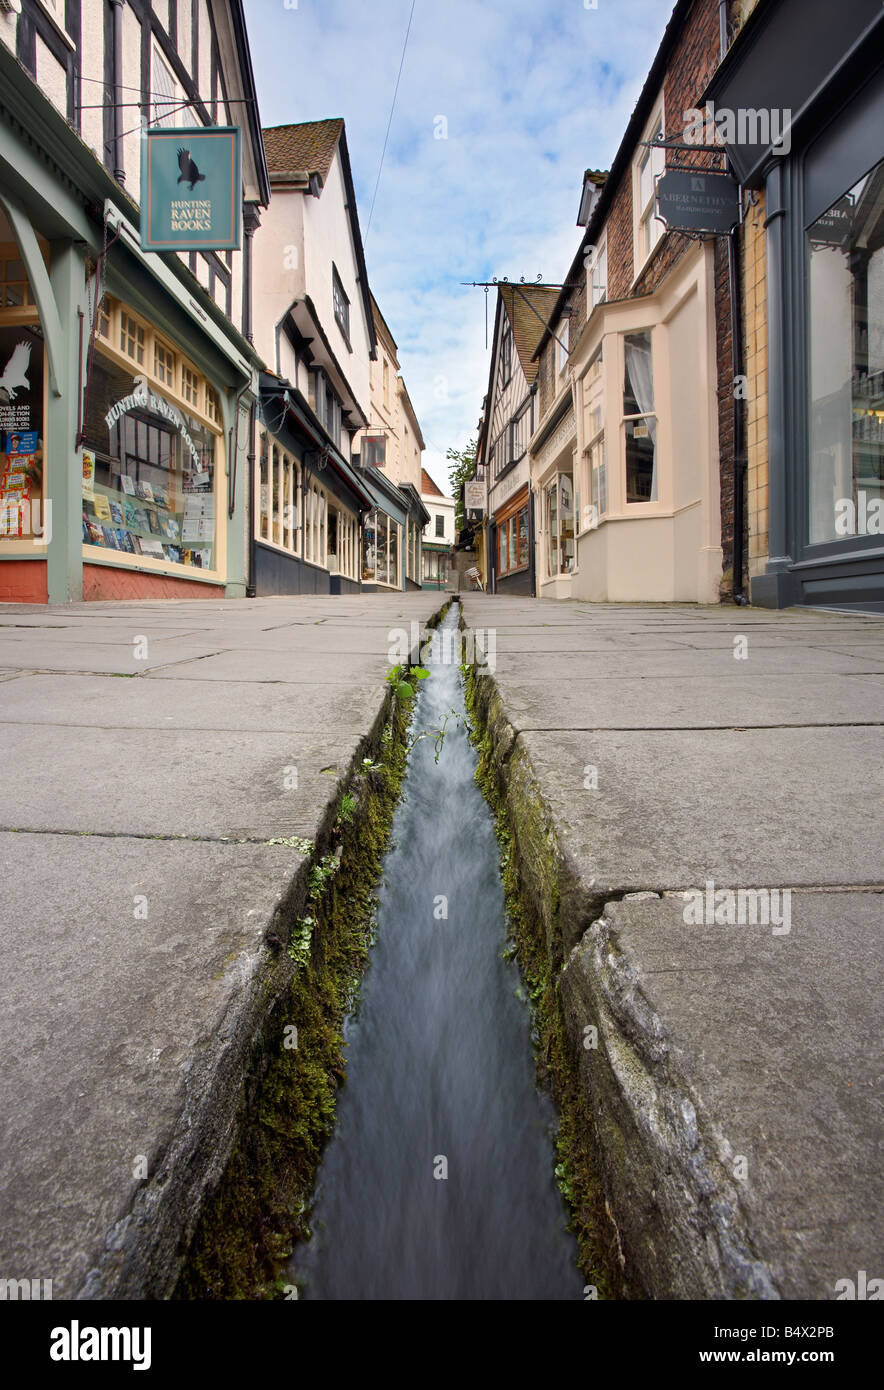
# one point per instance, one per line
(191, 188)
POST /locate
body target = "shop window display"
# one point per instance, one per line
(21, 432)
(148, 473)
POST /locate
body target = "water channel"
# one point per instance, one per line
(438, 1182)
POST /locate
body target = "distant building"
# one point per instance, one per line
(509, 421)
(390, 449)
(633, 434)
(439, 535)
(315, 330)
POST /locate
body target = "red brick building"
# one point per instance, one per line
(633, 455)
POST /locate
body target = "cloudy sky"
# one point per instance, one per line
(532, 93)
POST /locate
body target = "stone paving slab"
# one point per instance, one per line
(102, 702)
(123, 1035)
(725, 1040)
(702, 702)
(769, 1059)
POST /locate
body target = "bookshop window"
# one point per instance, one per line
(131, 338)
(149, 472)
(21, 433)
(15, 291)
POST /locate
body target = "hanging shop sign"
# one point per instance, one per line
(474, 496)
(692, 202)
(191, 189)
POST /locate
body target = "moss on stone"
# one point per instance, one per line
(527, 838)
(250, 1222)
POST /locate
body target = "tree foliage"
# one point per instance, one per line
(461, 463)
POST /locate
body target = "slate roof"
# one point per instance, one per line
(309, 146)
(529, 308)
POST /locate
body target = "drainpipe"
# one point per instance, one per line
(739, 465)
(117, 22)
(251, 222)
(250, 505)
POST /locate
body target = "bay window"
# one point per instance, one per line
(639, 419)
(380, 550)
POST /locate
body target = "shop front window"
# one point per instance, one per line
(380, 549)
(149, 472)
(21, 433)
(846, 292)
(640, 420)
(512, 542)
(552, 529)
(15, 291)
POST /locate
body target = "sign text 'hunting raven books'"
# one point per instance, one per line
(191, 189)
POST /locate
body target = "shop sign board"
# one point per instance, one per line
(688, 201)
(191, 188)
(474, 496)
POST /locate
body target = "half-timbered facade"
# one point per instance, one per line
(509, 422)
(127, 377)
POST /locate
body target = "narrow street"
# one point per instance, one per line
(441, 669)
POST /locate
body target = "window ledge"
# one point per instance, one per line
(57, 25)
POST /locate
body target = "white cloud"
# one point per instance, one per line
(532, 93)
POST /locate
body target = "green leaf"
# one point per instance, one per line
(419, 673)
(404, 691)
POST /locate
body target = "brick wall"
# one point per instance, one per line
(546, 379)
(23, 581)
(108, 582)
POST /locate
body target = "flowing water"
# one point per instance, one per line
(440, 1071)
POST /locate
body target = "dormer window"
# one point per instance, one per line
(342, 305)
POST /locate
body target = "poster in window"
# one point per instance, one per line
(21, 427)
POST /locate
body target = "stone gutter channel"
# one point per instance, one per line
(654, 1205)
(229, 1196)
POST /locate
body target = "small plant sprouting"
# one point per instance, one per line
(404, 688)
(302, 935)
(437, 735)
(347, 807)
(319, 875)
(295, 842)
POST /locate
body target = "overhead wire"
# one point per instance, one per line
(390, 121)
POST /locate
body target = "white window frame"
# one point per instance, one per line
(563, 342)
(644, 212)
(597, 273)
(55, 11)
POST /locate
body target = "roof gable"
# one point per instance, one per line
(308, 147)
(528, 308)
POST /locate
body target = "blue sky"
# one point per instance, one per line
(533, 92)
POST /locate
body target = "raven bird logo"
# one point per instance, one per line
(190, 174)
(15, 374)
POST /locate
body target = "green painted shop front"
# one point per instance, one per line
(117, 373)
